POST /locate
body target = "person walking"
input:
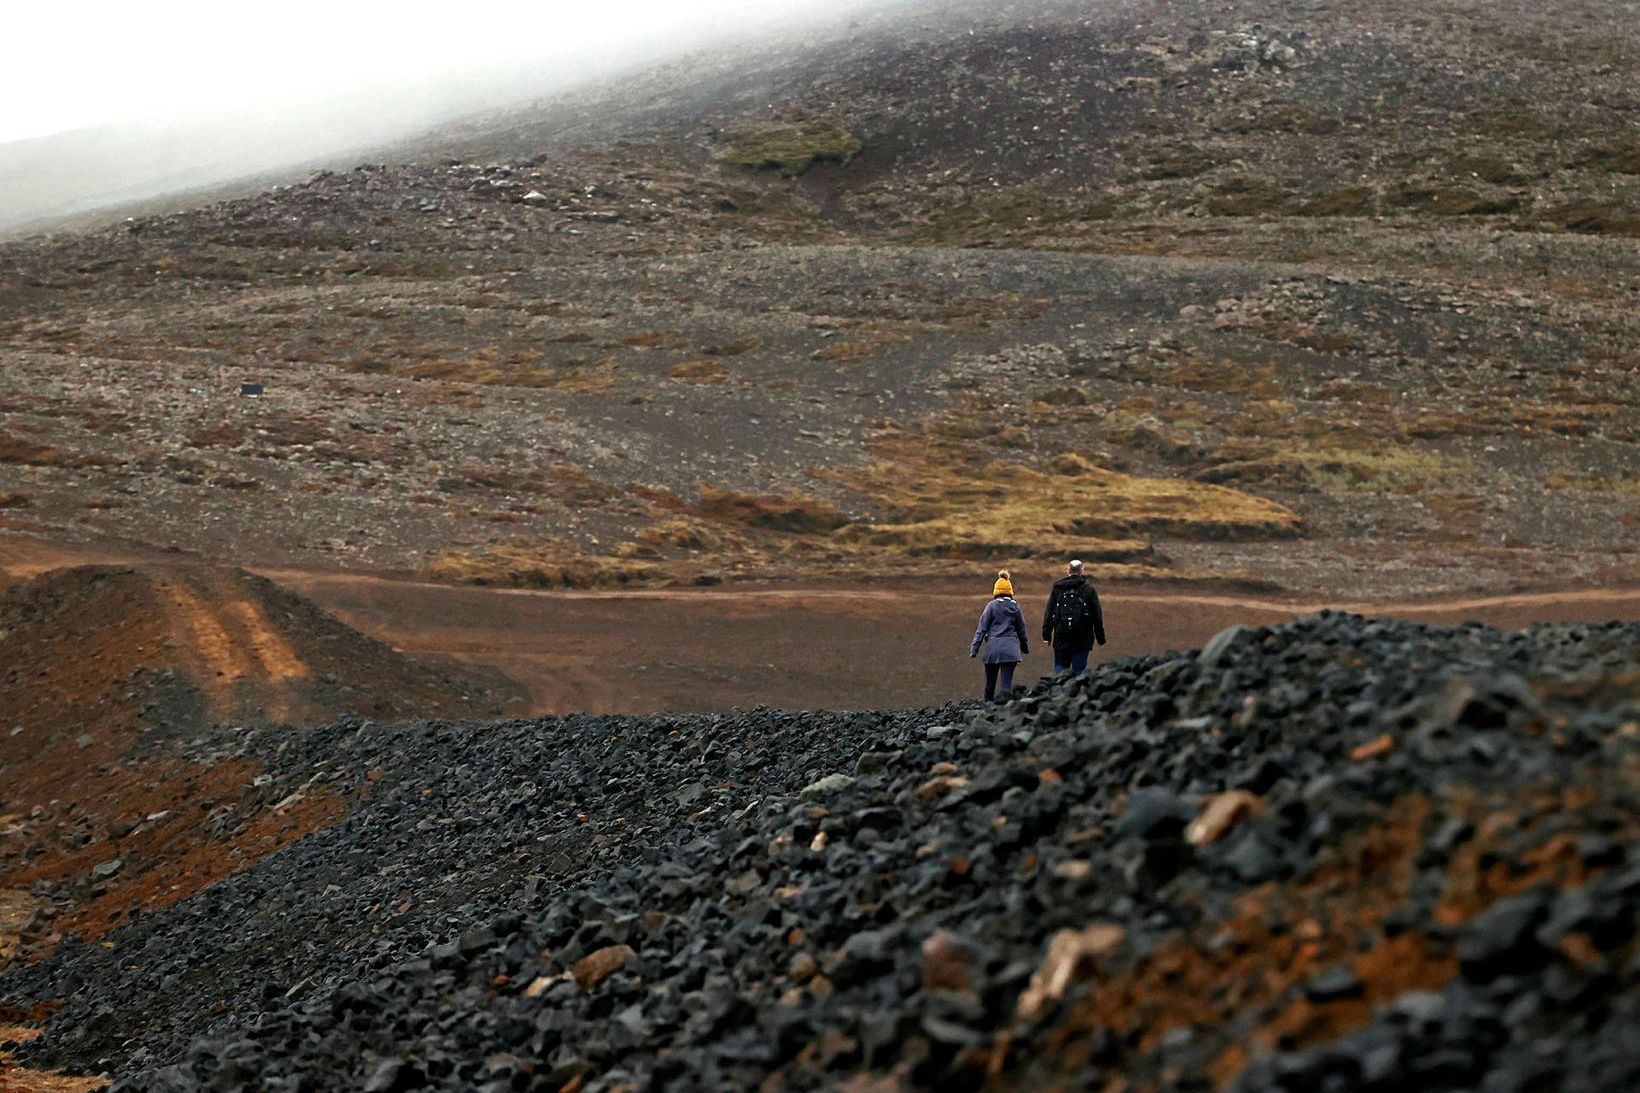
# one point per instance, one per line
(1073, 621)
(1002, 632)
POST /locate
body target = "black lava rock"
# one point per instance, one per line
(652, 902)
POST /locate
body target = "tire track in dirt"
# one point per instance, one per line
(232, 637)
(92, 657)
(277, 659)
(223, 660)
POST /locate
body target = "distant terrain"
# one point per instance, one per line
(107, 173)
(1336, 298)
(235, 141)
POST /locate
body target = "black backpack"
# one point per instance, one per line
(1071, 618)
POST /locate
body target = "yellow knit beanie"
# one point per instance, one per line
(1004, 586)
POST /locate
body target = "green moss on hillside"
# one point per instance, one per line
(792, 149)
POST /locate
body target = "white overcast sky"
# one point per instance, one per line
(70, 65)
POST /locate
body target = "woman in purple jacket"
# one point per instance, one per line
(1002, 632)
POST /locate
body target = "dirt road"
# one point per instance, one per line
(804, 648)
(713, 648)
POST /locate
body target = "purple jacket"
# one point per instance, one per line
(1002, 631)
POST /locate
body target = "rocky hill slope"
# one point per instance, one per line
(1162, 284)
(1338, 853)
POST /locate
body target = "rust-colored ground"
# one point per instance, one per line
(895, 644)
(17, 1079)
(818, 647)
(1257, 961)
(102, 667)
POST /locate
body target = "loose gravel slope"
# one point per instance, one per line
(1334, 854)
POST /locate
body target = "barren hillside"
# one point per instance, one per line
(1168, 285)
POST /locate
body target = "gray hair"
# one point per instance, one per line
(1076, 565)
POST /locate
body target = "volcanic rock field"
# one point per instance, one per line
(722, 387)
(1334, 854)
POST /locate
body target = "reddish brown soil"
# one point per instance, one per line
(169, 859)
(804, 648)
(104, 667)
(1256, 962)
(16, 1079)
(797, 647)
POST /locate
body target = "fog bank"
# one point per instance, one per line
(278, 117)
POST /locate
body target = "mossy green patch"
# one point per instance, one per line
(1015, 211)
(1493, 169)
(1184, 161)
(791, 149)
(803, 515)
(1247, 196)
(542, 565)
(1594, 218)
(1149, 435)
(1617, 485)
(1349, 201)
(1454, 201)
(940, 497)
(1335, 469)
(698, 371)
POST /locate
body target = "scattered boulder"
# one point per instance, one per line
(1070, 953)
(595, 967)
(1222, 814)
(829, 784)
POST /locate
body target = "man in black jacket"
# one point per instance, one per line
(1073, 621)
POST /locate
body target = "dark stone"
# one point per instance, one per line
(438, 928)
(1154, 813)
(472, 942)
(1333, 983)
(1500, 940)
(873, 762)
(1260, 778)
(395, 1076)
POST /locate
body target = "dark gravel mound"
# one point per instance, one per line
(1336, 854)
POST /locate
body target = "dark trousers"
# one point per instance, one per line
(1066, 661)
(999, 673)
